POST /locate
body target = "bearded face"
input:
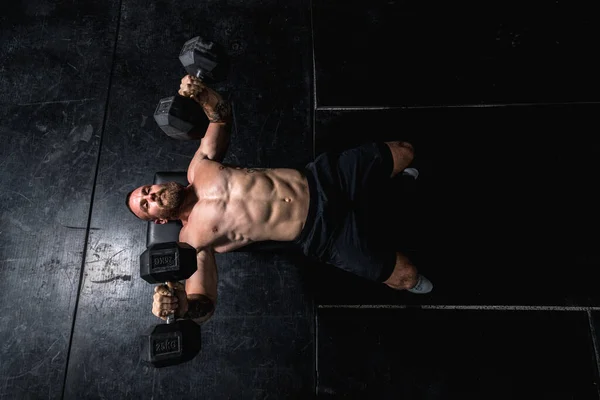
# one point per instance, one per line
(170, 199)
(157, 202)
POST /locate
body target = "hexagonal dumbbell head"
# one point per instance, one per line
(204, 59)
(170, 344)
(168, 262)
(181, 118)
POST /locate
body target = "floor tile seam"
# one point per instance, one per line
(442, 106)
(313, 112)
(44, 103)
(91, 206)
(314, 80)
(461, 307)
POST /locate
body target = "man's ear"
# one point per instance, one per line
(161, 221)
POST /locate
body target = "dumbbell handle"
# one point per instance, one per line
(199, 74)
(171, 316)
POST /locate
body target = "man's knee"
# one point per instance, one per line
(403, 153)
(404, 276)
(401, 147)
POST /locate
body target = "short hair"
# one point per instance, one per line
(127, 202)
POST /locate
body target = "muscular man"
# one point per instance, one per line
(326, 209)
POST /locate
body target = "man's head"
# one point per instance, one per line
(158, 203)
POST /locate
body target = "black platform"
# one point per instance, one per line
(500, 101)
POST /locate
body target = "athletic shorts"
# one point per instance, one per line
(346, 223)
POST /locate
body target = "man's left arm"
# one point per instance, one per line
(215, 142)
(201, 287)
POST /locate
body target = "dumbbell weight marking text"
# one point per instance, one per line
(166, 346)
(162, 261)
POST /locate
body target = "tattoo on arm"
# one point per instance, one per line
(220, 113)
(200, 307)
(215, 107)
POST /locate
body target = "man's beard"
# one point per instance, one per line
(170, 200)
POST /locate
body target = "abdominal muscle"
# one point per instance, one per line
(245, 205)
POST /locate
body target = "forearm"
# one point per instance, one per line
(201, 288)
(215, 142)
(200, 308)
(217, 109)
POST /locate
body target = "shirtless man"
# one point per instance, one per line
(324, 209)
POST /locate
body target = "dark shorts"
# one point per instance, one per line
(346, 218)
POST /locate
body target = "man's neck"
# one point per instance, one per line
(189, 201)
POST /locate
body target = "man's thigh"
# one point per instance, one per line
(359, 250)
(364, 169)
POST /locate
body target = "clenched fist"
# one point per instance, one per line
(166, 302)
(191, 87)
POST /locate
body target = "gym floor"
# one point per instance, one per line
(500, 101)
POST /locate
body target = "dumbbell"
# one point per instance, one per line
(181, 117)
(177, 341)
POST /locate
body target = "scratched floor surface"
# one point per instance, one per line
(500, 102)
(79, 86)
